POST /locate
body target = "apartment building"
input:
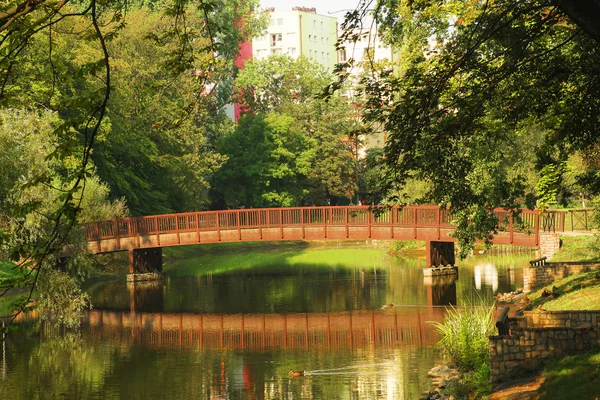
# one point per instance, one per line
(300, 31)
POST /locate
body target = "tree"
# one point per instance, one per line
(268, 159)
(55, 56)
(291, 87)
(155, 151)
(486, 92)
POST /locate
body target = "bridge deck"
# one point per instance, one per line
(427, 223)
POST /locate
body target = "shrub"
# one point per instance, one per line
(403, 246)
(471, 385)
(465, 335)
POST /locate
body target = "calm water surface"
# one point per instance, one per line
(231, 326)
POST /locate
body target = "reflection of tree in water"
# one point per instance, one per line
(290, 289)
(70, 365)
(62, 364)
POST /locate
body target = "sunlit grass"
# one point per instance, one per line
(573, 377)
(575, 292)
(582, 299)
(243, 260)
(215, 248)
(578, 248)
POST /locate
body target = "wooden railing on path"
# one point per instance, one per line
(428, 223)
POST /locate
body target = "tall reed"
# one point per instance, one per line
(465, 333)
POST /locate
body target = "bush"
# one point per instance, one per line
(60, 300)
(465, 335)
(471, 385)
(403, 246)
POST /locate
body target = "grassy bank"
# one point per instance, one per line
(578, 248)
(182, 252)
(573, 377)
(575, 292)
(577, 376)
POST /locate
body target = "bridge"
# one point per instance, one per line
(144, 237)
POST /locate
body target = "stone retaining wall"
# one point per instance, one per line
(540, 335)
(538, 276)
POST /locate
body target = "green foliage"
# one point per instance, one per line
(155, 153)
(471, 385)
(290, 87)
(402, 246)
(485, 94)
(464, 335)
(146, 108)
(60, 300)
(279, 82)
(548, 185)
(267, 157)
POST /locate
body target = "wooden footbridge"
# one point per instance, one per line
(144, 237)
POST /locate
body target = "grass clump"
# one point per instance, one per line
(472, 385)
(464, 338)
(464, 335)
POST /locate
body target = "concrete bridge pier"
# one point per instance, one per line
(439, 253)
(145, 260)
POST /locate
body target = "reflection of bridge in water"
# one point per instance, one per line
(390, 328)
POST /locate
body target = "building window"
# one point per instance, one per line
(315, 23)
(322, 54)
(291, 50)
(328, 56)
(276, 39)
(321, 25)
(322, 40)
(276, 51)
(327, 40)
(271, 22)
(310, 38)
(279, 21)
(291, 36)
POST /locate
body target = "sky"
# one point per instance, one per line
(334, 8)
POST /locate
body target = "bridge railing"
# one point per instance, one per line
(528, 221)
(422, 216)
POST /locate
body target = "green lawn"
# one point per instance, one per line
(573, 377)
(575, 292)
(578, 248)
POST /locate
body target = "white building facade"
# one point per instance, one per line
(299, 32)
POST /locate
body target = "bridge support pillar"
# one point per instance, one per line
(145, 260)
(440, 253)
(549, 244)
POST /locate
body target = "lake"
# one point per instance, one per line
(231, 324)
